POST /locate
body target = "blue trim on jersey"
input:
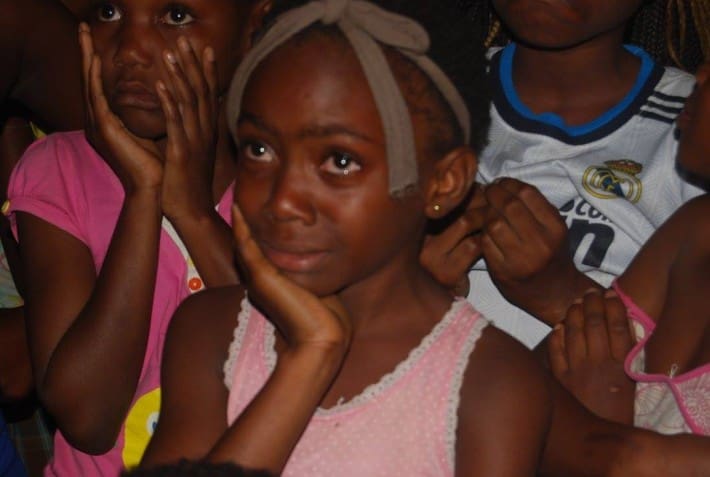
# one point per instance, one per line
(520, 117)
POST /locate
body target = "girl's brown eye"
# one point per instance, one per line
(108, 13)
(341, 164)
(178, 16)
(256, 151)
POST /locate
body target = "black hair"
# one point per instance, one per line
(456, 47)
(187, 468)
(674, 32)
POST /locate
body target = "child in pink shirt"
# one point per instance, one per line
(118, 224)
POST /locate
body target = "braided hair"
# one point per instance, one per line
(688, 32)
(673, 32)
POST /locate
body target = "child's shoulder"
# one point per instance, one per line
(204, 323)
(505, 399)
(63, 150)
(217, 308)
(66, 139)
(504, 365)
(690, 221)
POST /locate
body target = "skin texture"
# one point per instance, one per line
(693, 123)
(564, 48)
(88, 332)
(668, 279)
(587, 352)
(278, 135)
(37, 41)
(305, 214)
(80, 8)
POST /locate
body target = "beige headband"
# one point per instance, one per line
(364, 24)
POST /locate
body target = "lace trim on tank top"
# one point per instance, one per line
(387, 380)
(236, 345)
(452, 419)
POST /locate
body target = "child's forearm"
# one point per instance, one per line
(560, 299)
(269, 428)
(88, 379)
(647, 454)
(580, 444)
(15, 368)
(209, 242)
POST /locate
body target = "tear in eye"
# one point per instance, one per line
(341, 164)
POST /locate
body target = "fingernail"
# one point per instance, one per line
(209, 53)
(591, 291)
(170, 57)
(83, 27)
(610, 293)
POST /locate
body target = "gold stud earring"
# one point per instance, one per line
(437, 207)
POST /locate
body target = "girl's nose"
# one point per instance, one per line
(135, 45)
(290, 198)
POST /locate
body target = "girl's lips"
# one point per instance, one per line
(134, 94)
(293, 261)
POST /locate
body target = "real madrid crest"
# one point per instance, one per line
(615, 179)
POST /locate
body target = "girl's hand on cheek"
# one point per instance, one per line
(189, 103)
(135, 161)
(305, 320)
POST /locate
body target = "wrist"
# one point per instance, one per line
(143, 193)
(196, 215)
(321, 358)
(555, 310)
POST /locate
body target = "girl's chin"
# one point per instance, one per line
(145, 124)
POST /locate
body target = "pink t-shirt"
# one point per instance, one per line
(62, 180)
(405, 424)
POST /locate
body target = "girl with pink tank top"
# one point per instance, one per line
(664, 292)
(344, 356)
(341, 355)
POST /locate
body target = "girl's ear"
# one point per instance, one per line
(451, 182)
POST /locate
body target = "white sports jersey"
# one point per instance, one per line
(614, 180)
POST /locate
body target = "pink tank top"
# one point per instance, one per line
(405, 424)
(672, 403)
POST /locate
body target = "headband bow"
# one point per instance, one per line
(364, 25)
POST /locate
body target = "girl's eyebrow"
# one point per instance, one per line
(317, 131)
(334, 130)
(247, 117)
